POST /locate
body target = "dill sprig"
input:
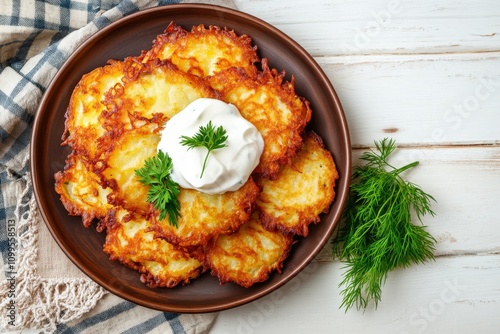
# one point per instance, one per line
(163, 191)
(209, 137)
(378, 235)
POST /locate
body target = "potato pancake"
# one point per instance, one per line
(249, 255)
(272, 106)
(126, 154)
(129, 241)
(153, 91)
(301, 191)
(80, 191)
(204, 216)
(204, 51)
(85, 108)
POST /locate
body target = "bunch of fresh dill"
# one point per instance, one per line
(378, 235)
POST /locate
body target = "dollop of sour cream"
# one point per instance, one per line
(227, 168)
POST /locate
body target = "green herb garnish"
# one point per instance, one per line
(163, 191)
(378, 235)
(209, 137)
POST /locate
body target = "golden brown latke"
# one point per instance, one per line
(249, 255)
(273, 107)
(117, 171)
(80, 191)
(153, 91)
(129, 241)
(204, 51)
(301, 190)
(204, 216)
(85, 108)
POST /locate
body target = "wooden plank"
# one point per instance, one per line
(384, 26)
(465, 181)
(450, 295)
(431, 99)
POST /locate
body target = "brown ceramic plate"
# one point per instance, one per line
(128, 37)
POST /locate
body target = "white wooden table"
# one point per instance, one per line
(427, 74)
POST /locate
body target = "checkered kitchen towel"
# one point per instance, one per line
(36, 292)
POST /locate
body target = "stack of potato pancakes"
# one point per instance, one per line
(113, 124)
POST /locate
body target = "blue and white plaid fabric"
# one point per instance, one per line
(36, 37)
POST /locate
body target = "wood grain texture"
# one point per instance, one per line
(424, 99)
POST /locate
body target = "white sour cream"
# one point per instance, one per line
(227, 168)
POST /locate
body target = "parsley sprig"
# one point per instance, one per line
(163, 191)
(378, 235)
(207, 136)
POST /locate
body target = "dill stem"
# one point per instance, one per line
(397, 171)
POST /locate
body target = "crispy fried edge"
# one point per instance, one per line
(74, 210)
(66, 137)
(146, 277)
(174, 32)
